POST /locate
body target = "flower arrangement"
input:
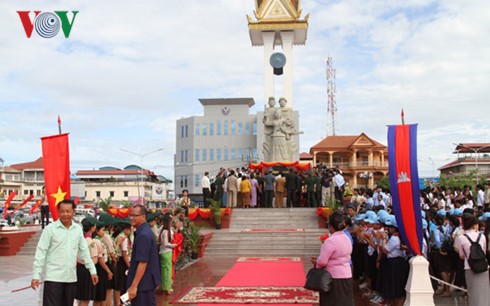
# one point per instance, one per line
(324, 237)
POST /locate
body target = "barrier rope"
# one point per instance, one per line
(440, 281)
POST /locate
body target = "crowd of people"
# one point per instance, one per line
(112, 257)
(246, 188)
(379, 257)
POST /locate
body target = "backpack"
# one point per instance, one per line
(477, 259)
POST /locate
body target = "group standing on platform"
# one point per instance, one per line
(246, 188)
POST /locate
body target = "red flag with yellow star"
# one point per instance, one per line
(56, 158)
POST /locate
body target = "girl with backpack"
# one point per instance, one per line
(477, 282)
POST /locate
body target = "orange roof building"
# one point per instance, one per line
(362, 160)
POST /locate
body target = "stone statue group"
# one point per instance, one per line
(279, 127)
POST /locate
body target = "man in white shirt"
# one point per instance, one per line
(480, 195)
(206, 188)
(339, 187)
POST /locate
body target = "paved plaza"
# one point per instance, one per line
(16, 273)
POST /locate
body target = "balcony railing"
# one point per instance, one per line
(359, 164)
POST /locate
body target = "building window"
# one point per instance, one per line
(204, 129)
(204, 155)
(181, 181)
(233, 156)
(218, 154)
(111, 194)
(185, 181)
(196, 130)
(186, 155)
(126, 194)
(240, 128)
(97, 194)
(225, 127)
(38, 192)
(182, 132)
(181, 155)
(232, 127)
(255, 157)
(248, 128)
(218, 127)
(186, 131)
(196, 180)
(254, 128)
(211, 129)
(225, 154)
(211, 154)
(196, 155)
(240, 154)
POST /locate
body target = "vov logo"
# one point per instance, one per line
(47, 24)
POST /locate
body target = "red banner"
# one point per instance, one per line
(35, 206)
(56, 158)
(7, 203)
(22, 204)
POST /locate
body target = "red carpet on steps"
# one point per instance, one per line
(281, 274)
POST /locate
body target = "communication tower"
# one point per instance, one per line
(332, 102)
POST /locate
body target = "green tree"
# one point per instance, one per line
(105, 204)
(384, 182)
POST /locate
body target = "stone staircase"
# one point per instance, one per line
(30, 247)
(234, 242)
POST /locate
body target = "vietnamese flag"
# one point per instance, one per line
(7, 203)
(404, 184)
(56, 158)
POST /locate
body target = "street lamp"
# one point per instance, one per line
(366, 175)
(476, 157)
(141, 156)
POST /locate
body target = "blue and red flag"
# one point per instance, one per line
(404, 184)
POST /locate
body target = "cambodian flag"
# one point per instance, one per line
(404, 184)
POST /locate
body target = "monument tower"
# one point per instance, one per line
(278, 28)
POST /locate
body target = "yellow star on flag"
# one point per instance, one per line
(59, 196)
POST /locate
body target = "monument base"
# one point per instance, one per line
(419, 288)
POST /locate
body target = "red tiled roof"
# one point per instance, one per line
(304, 155)
(472, 147)
(464, 161)
(37, 164)
(333, 142)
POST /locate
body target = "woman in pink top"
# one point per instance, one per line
(477, 283)
(335, 256)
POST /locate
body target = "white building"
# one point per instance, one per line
(127, 184)
(24, 179)
(225, 136)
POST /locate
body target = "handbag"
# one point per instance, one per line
(318, 279)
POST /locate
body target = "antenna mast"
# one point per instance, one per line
(332, 102)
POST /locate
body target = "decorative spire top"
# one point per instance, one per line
(277, 10)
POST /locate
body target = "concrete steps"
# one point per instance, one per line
(235, 242)
(30, 247)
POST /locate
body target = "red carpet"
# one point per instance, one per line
(273, 230)
(268, 259)
(267, 273)
(248, 295)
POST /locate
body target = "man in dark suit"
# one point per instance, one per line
(291, 186)
(144, 271)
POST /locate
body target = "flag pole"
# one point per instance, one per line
(59, 124)
(403, 117)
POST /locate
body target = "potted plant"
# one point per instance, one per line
(215, 207)
(194, 237)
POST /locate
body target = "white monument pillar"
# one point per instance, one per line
(419, 288)
(287, 38)
(268, 38)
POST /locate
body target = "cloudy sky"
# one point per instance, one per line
(131, 68)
